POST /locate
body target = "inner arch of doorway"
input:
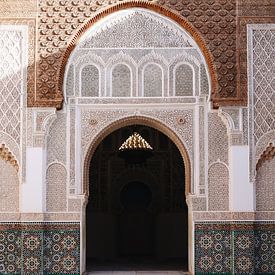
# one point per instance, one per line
(141, 120)
(172, 135)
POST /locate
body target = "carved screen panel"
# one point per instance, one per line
(90, 81)
(9, 186)
(265, 186)
(152, 77)
(56, 197)
(218, 187)
(183, 80)
(121, 81)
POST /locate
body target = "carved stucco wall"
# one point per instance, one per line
(132, 67)
(56, 143)
(261, 54)
(94, 122)
(217, 21)
(9, 186)
(56, 197)
(13, 83)
(265, 186)
(217, 139)
(218, 187)
(218, 174)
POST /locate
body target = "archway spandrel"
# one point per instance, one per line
(61, 26)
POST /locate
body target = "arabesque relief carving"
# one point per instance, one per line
(7, 155)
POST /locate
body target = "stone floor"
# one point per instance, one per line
(137, 273)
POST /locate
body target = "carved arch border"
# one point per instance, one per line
(268, 154)
(159, 9)
(131, 120)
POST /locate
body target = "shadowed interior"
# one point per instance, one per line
(136, 217)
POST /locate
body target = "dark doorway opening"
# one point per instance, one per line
(137, 217)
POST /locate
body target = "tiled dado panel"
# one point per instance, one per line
(39, 248)
(235, 248)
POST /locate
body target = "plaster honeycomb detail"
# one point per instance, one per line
(218, 144)
(152, 80)
(126, 72)
(121, 81)
(82, 60)
(90, 81)
(183, 78)
(218, 187)
(56, 140)
(191, 82)
(152, 75)
(56, 195)
(137, 24)
(265, 186)
(9, 185)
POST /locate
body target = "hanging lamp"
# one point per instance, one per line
(135, 150)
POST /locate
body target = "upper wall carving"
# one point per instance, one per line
(150, 58)
(62, 22)
(136, 24)
(218, 24)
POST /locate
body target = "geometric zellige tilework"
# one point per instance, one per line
(213, 251)
(263, 81)
(250, 250)
(61, 252)
(243, 251)
(264, 252)
(10, 252)
(32, 252)
(40, 248)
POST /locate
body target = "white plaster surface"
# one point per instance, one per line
(241, 191)
(32, 199)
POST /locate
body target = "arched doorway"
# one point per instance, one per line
(137, 217)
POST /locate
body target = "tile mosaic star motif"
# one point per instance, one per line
(235, 248)
(39, 248)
